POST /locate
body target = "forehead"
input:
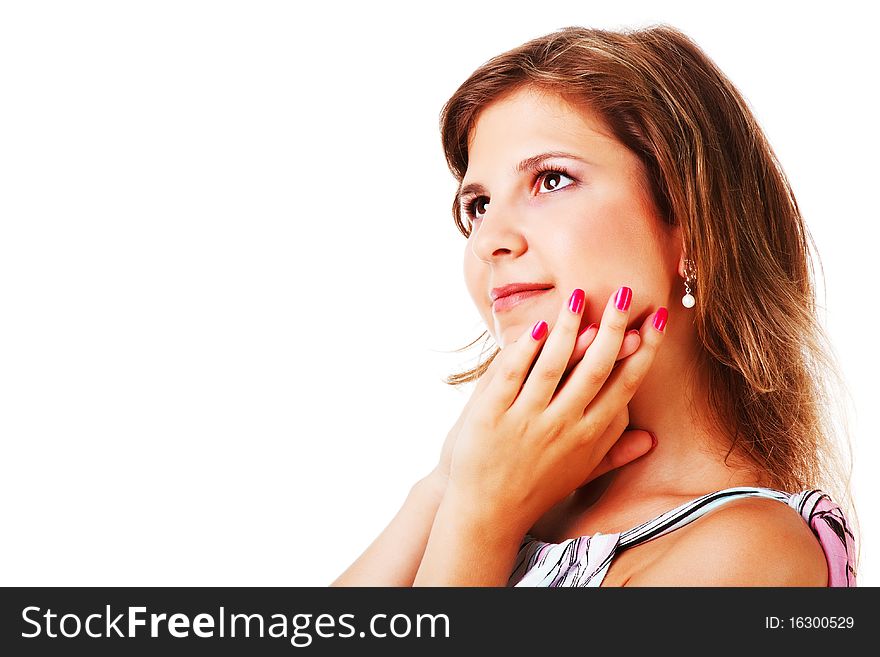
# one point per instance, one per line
(529, 121)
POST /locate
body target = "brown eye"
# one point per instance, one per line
(481, 202)
(552, 180)
(477, 208)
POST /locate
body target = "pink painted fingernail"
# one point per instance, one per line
(623, 298)
(653, 439)
(576, 302)
(539, 330)
(660, 318)
(633, 332)
(587, 328)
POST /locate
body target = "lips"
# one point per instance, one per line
(507, 301)
(513, 288)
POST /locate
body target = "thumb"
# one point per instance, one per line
(632, 444)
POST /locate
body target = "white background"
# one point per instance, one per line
(230, 284)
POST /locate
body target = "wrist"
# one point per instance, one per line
(435, 482)
(431, 487)
(493, 523)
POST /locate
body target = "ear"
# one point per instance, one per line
(682, 270)
(682, 253)
(677, 248)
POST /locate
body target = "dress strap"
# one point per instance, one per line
(690, 511)
(830, 526)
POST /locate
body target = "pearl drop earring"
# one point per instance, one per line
(688, 300)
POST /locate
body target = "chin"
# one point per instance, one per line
(498, 335)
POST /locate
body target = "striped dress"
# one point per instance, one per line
(584, 561)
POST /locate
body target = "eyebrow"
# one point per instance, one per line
(526, 164)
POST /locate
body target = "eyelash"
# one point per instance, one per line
(468, 204)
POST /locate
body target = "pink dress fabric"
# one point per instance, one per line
(834, 534)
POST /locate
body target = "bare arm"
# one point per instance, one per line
(394, 557)
(468, 547)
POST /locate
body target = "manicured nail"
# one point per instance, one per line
(653, 440)
(623, 298)
(539, 330)
(633, 332)
(660, 318)
(587, 328)
(576, 302)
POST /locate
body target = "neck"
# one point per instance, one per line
(691, 457)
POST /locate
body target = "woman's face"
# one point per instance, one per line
(594, 227)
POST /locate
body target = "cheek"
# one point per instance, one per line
(588, 238)
(612, 228)
(476, 277)
(607, 244)
(620, 245)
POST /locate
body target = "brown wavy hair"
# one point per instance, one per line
(711, 171)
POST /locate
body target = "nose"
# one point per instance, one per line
(499, 233)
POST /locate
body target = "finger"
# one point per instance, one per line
(581, 344)
(587, 333)
(631, 445)
(554, 357)
(487, 375)
(631, 341)
(585, 339)
(516, 360)
(626, 379)
(588, 376)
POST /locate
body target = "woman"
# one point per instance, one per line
(639, 258)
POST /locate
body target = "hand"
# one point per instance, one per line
(630, 446)
(527, 441)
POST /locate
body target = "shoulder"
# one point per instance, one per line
(747, 542)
